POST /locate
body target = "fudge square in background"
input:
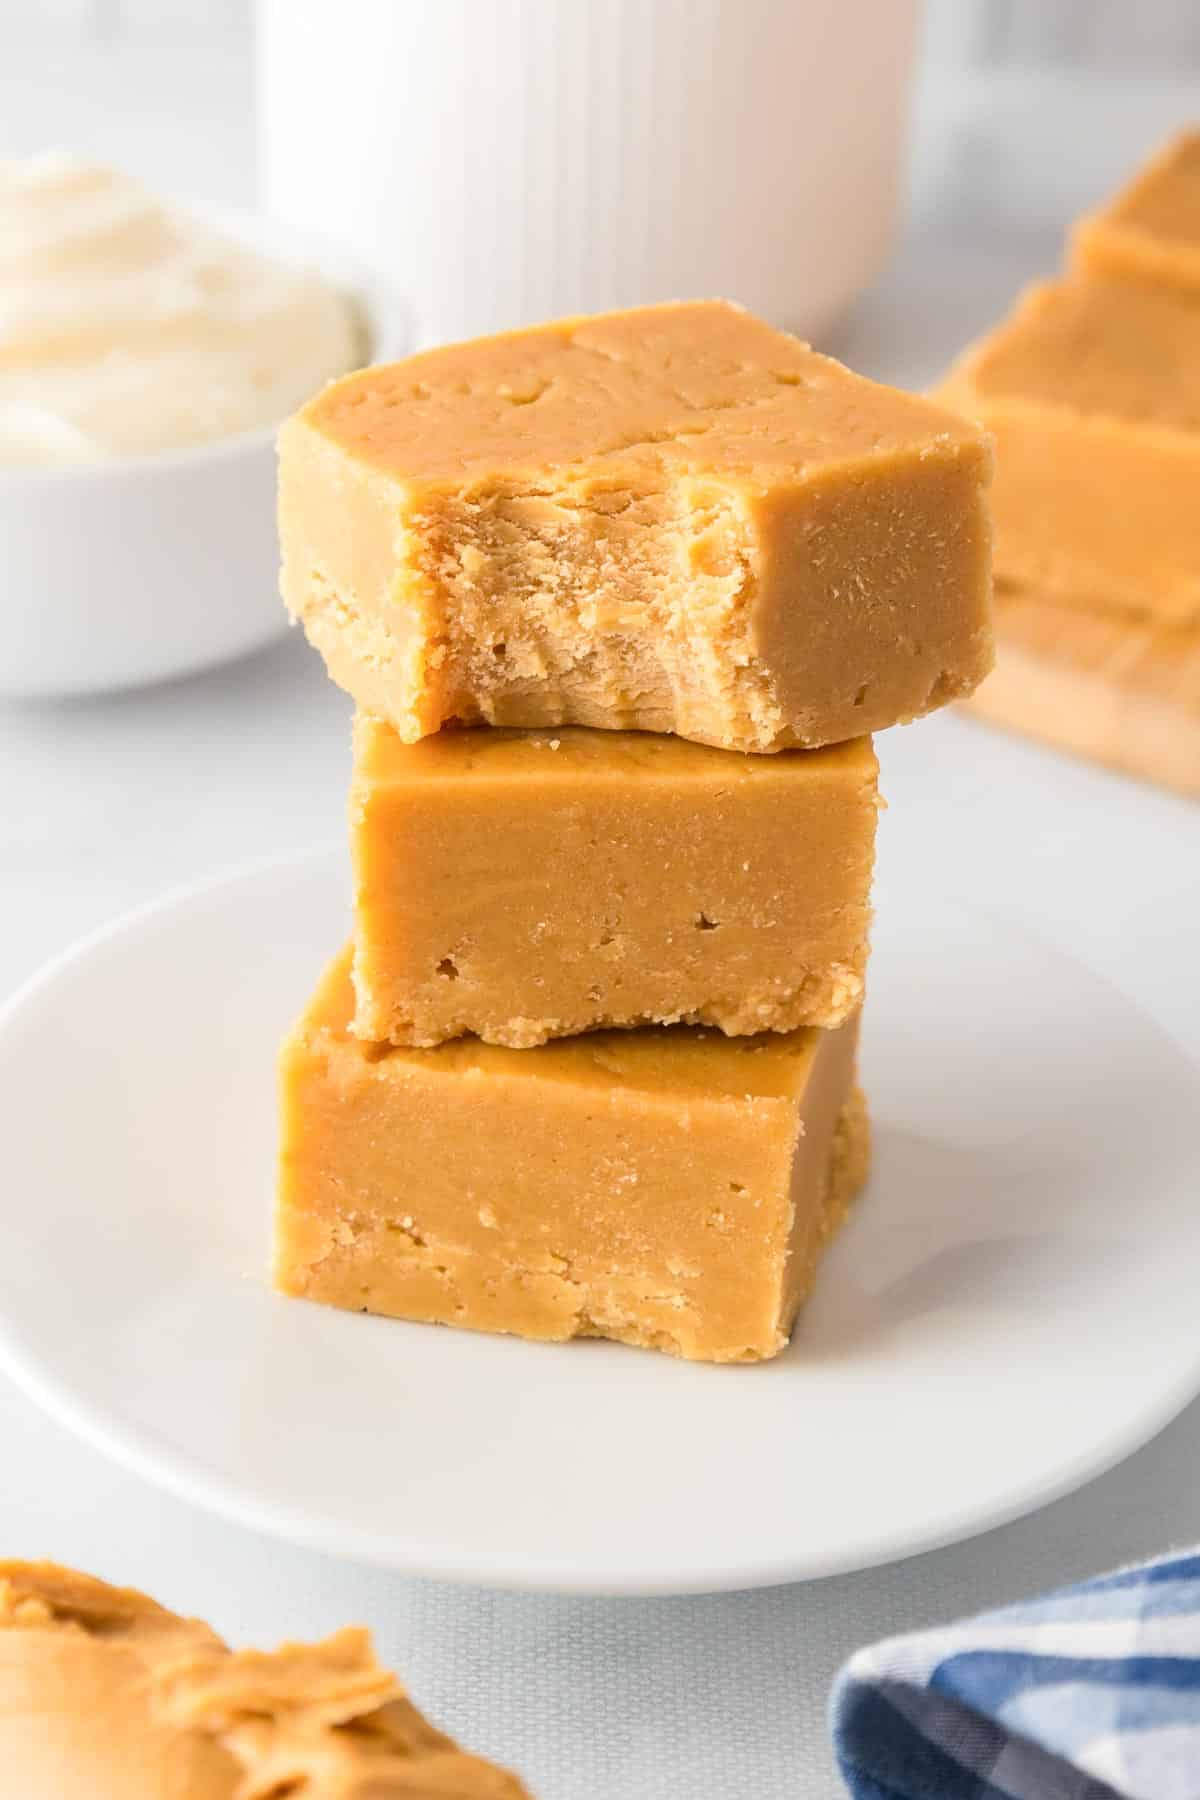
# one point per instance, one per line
(525, 885)
(1151, 229)
(1092, 390)
(673, 519)
(671, 1188)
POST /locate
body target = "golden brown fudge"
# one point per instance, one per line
(78, 1661)
(673, 519)
(1121, 691)
(530, 885)
(1092, 392)
(1151, 230)
(105, 1693)
(671, 1188)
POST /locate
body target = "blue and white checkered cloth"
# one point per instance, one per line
(1085, 1694)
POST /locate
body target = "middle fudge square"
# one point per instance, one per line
(672, 1188)
(528, 885)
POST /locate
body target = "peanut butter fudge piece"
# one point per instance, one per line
(530, 885)
(668, 1187)
(324, 1722)
(78, 1660)
(105, 1693)
(1151, 230)
(1092, 392)
(1124, 692)
(673, 519)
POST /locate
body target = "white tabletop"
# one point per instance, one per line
(110, 802)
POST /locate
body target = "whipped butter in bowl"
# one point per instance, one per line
(146, 358)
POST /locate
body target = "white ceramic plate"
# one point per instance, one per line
(1011, 1310)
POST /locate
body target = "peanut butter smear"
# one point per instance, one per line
(105, 1693)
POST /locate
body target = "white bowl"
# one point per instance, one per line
(120, 573)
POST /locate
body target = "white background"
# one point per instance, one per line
(109, 802)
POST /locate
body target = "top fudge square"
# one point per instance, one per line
(672, 519)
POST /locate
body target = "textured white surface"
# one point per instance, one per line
(107, 803)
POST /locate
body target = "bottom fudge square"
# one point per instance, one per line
(669, 1187)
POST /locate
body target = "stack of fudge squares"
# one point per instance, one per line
(620, 601)
(1092, 391)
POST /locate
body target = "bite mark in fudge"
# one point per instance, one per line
(672, 519)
